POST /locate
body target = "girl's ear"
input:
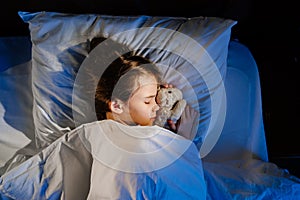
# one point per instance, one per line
(116, 106)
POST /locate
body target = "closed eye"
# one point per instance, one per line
(149, 99)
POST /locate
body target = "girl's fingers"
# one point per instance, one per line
(172, 125)
(166, 85)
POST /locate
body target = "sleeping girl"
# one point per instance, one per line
(126, 93)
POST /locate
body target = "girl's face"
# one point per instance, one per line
(141, 107)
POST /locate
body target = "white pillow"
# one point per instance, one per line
(191, 51)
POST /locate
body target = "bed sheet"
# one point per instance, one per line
(238, 167)
(243, 134)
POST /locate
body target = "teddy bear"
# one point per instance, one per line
(172, 105)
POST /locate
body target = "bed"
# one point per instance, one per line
(40, 94)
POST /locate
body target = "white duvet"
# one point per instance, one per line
(108, 160)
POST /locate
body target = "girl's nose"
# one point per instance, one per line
(155, 108)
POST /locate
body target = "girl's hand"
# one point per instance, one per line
(166, 85)
(187, 125)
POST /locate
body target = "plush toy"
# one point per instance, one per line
(171, 104)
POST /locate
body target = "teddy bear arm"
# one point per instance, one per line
(162, 115)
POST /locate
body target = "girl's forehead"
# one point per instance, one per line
(146, 80)
(145, 84)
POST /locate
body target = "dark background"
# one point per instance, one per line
(270, 29)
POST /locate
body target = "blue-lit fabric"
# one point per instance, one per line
(238, 167)
(249, 179)
(72, 168)
(243, 134)
(61, 43)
